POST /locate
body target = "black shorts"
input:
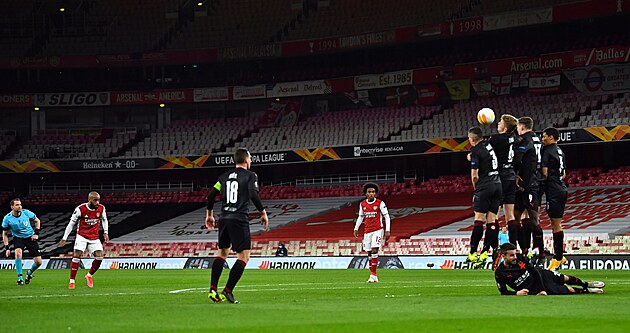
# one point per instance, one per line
(556, 201)
(554, 282)
(527, 200)
(487, 199)
(234, 233)
(509, 191)
(30, 245)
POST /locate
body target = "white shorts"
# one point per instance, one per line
(92, 245)
(373, 239)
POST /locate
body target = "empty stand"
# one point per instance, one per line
(117, 27)
(549, 110)
(193, 137)
(363, 126)
(191, 226)
(411, 214)
(350, 17)
(54, 224)
(16, 27)
(236, 23)
(76, 144)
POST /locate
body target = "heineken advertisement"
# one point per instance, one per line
(567, 136)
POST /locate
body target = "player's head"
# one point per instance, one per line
(242, 158)
(508, 252)
(94, 199)
(370, 190)
(16, 205)
(525, 124)
(507, 124)
(475, 135)
(550, 136)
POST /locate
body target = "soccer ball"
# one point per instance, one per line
(485, 116)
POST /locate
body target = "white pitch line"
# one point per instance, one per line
(69, 295)
(283, 287)
(354, 286)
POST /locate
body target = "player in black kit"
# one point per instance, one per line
(518, 273)
(484, 174)
(527, 159)
(553, 172)
(238, 186)
(503, 144)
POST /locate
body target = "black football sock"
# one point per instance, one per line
(558, 245)
(217, 269)
(491, 237)
(539, 240)
(573, 281)
(513, 231)
(494, 237)
(526, 238)
(235, 274)
(475, 238)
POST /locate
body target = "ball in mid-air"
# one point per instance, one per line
(485, 116)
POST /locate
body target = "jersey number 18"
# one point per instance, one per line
(231, 192)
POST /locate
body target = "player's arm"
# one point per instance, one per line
(76, 215)
(358, 223)
(105, 224)
(385, 214)
(255, 198)
(474, 169)
(545, 161)
(521, 148)
(210, 221)
(503, 289)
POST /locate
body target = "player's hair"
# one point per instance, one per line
(552, 131)
(240, 155)
(528, 122)
(369, 186)
(507, 247)
(92, 195)
(14, 200)
(476, 133)
(510, 122)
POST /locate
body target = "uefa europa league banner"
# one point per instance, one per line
(567, 136)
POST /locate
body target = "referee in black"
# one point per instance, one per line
(553, 172)
(485, 179)
(237, 187)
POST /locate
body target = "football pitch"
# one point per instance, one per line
(305, 301)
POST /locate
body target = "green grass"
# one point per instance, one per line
(284, 301)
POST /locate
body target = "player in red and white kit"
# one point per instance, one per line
(372, 212)
(90, 216)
